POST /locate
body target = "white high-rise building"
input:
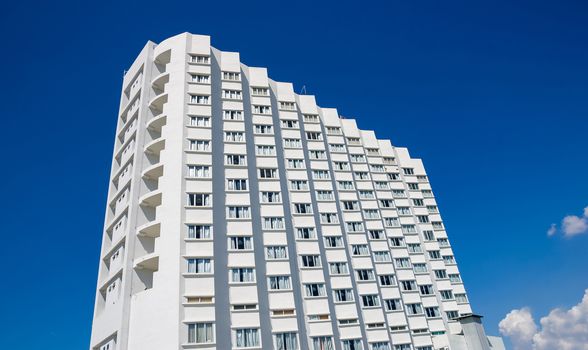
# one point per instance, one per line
(241, 215)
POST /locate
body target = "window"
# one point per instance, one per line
(432, 209)
(446, 294)
(391, 222)
(408, 285)
(314, 290)
(245, 307)
(389, 161)
(234, 136)
(312, 135)
(408, 228)
(402, 347)
(426, 289)
(232, 115)
(423, 219)
(452, 314)
(396, 241)
(354, 141)
(371, 300)
(289, 124)
(454, 278)
(246, 337)
(200, 99)
(263, 129)
(380, 346)
(427, 193)
(259, 91)
(290, 106)
(348, 321)
(200, 59)
(270, 197)
(262, 109)
(335, 147)
(272, 223)
(199, 121)
(371, 214)
(440, 274)
(305, 233)
(338, 268)
(414, 309)
(286, 341)
(333, 242)
(408, 171)
(382, 256)
(267, 173)
(322, 343)
(359, 249)
(414, 248)
(365, 275)
(311, 118)
(199, 266)
(235, 159)
(333, 130)
(240, 243)
(434, 255)
(387, 280)
(202, 171)
(413, 186)
(428, 235)
(402, 263)
(393, 176)
(376, 168)
(320, 174)
(242, 275)
(366, 194)
(342, 295)
(329, 218)
(322, 195)
(448, 259)
(198, 200)
(237, 185)
(403, 210)
(310, 261)
(420, 268)
(398, 194)
(292, 143)
(200, 333)
(362, 175)
(437, 225)
(231, 76)
(443, 242)
(352, 344)
(357, 158)
(200, 79)
(393, 304)
(345, 185)
(279, 282)
(199, 231)
(461, 298)
(238, 212)
(276, 252)
(298, 185)
(376, 234)
(317, 154)
(417, 202)
(354, 226)
(350, 205)
(199, 145)
(265, 150)
(296, 163)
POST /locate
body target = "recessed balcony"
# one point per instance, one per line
(157, 122)
(147, 262)
(159, 81)
(155, 146)
(153, 172)
(158, 101)
(151, 229)
(163, 58)
(151, 199)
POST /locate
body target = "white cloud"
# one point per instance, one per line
(572, 225)
(520, 327)
(561, 329)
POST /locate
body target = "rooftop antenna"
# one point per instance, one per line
(303, 90)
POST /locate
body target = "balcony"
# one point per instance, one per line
(147, 262)
(155, 146)
(151, 199)
(151, 229)
(157, 122)
(153, 172)
(159, 81)
(158, 101)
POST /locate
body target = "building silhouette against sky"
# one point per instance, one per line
(242, 215)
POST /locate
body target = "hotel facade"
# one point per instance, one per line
(241, 215)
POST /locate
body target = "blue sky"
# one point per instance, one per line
(491, 95)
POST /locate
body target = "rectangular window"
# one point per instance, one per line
(279, 282)
(200, 59)
(362, 175)
(232, 95)
(199, 200)
(199, 171)
(393, 304)
(323, 195)
(299, 185)
(391, 222)
(363, 194)
(402, 263)
(311, 118)
(233, 76)
(200, 79)
(199, 231)
(199, 121)
(376, 234)
(270, 197)
(322, 343)
(354, 226)
(371, 300)
(333, 242)
(289, 106)
(359, 250)
(314, 290)
(265, 150)
(387, 280)
(289, 124)
(335, 147)
(396, 241)
(259, 91)
(234, 136)
(420, 268)
(242, 275)
(305, 233)
(272, 223)
(276, 252)
(232, 115)
(333, 130)
(311, 135)
(240, 243)
(286, 341)
(320, 175)
(446, 295)
(200, 333)
(365, 275)
(310, 260)
(317, 154)
(267, 173)
(266, 110)
(414, 309)
(352, 344)
(296, 163)
(382, 256)
(263, 129)
(247, 337)
(200, 99)
(329, 218)
(199, 145)
(292, 143)
(408, 171)
(199, 266)
(238, 212)
(426, 289)
(371, 214)
(343, 295)
(350, 205)
(357, 158)
(345, 185)
(338, 268)
(237, 185)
